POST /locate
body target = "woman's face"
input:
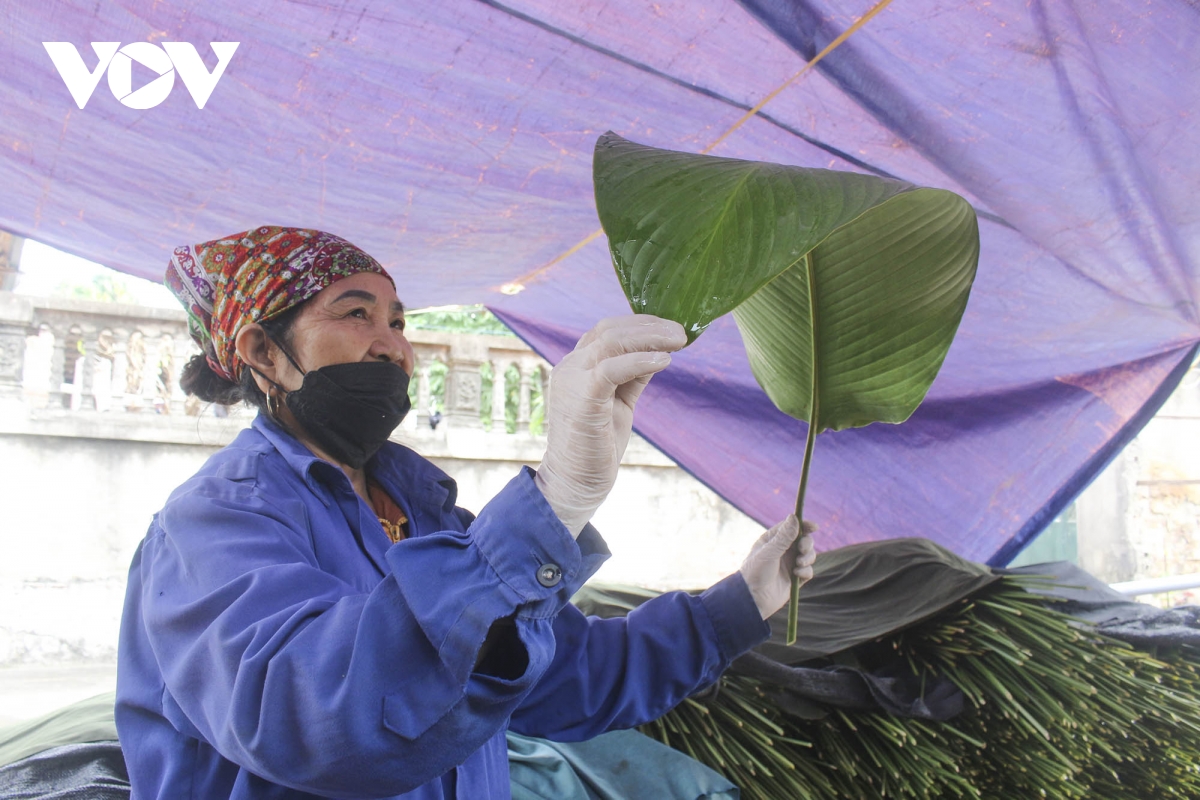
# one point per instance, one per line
(358, 318)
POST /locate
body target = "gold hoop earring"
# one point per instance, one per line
(272, 402)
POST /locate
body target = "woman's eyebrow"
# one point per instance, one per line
(358, 294)
(355, 294)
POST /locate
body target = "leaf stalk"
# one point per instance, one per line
(809, 442)
(794, 600)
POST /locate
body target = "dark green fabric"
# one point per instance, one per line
(864, 591)
(611, 599)
(89, 720)
(85, 771)
(857, 594)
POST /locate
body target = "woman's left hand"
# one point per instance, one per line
(775, 557)
(589, 419)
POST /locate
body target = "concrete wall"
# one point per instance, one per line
(1164, 492)
(1140, 518)
(76, 507)
(74, 510)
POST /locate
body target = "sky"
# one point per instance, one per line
(46, 272)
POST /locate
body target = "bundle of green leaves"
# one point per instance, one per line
(1053, 709)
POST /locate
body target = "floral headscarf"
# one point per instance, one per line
(252, 277)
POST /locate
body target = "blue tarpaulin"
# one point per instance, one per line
(453, 141)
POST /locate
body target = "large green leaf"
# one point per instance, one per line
(848, 289)
(855, 280)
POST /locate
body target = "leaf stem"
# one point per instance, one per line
(814, 417)
(794, 601)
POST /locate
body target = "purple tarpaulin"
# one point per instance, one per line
(453, 141)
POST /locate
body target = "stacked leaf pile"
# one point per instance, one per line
(1051, 709)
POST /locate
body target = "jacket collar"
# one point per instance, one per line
(398, 468)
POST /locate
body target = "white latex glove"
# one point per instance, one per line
(590, 415)
(773, 559)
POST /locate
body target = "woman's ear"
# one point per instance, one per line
(254, 349)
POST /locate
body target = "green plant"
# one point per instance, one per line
(847, 288)
(102, 288)
(1051, 709)
(457, 319)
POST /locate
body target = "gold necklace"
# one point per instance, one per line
(394, 530)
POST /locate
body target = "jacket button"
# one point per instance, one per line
(549, 575)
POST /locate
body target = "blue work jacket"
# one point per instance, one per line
(276, 644)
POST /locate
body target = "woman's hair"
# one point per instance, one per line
(198, 378)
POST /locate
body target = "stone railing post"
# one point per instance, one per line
(16, 320)
(164, 374)
(526, 366)
(83, 391)
(120, 366)
(102, 370)
(425, 362)
(499, 393)
(39, 360)
(135, 368)
(464, 383)
(58, 360)
(423, 392)
(147, 390)
(74, 363)
(181, 351)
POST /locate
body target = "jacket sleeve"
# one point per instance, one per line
(618, 673)
(312, 683)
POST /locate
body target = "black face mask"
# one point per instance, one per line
(350, 410)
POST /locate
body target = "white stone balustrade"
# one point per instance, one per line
(85, 356)
(65, 360)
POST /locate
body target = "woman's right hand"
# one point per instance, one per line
(589, 420)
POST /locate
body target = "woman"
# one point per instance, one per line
(311, 614)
